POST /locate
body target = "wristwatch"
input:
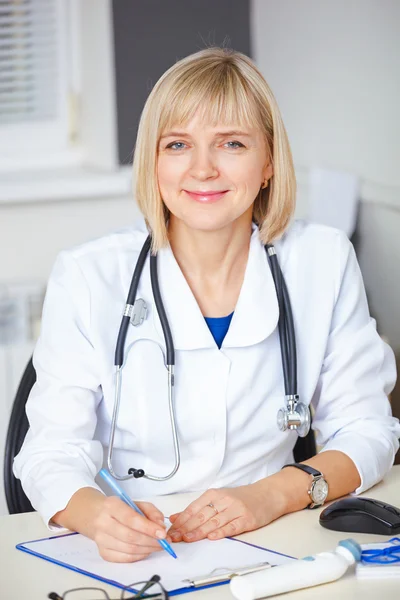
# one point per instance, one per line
(318, 491)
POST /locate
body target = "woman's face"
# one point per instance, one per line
(210, 176)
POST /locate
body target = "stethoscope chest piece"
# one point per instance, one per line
(296, 415)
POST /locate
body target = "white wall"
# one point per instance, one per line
(334, 68)
(31, 235)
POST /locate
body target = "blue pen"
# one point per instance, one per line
(120, 492)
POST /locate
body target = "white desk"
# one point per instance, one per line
(298, 534)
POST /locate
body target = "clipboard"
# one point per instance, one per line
(77, 553)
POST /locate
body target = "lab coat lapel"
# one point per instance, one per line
(257, 312)
(255, 317)
(188, 327)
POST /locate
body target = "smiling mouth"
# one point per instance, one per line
(206, 197)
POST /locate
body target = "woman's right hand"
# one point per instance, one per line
(121, 534)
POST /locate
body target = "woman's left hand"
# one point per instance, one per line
(223, 512)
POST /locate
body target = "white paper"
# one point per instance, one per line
(334, 197)
(194, 560)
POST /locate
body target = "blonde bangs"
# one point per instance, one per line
(220, 86)
(217, 96)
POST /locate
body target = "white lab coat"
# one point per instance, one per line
(226, 400)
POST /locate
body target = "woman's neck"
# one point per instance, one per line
(213, 262)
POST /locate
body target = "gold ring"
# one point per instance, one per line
(211, 505)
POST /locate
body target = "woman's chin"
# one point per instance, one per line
(206, 227)
(205, 223)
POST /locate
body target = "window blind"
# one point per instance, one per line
(28, 60)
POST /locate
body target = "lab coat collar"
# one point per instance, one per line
(256, 313)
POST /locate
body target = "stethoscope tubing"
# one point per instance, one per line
(161, 311)
(291, 338)
(286, 335)
(119, 361)
(285, 325)
(123, 330)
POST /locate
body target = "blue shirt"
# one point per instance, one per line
(219, 327)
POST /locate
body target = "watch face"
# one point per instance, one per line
(319, 491)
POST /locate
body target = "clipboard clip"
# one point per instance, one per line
(224, 574)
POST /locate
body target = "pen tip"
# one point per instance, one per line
(168, 548)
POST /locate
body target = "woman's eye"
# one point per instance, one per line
(236, 145)
(180, 144)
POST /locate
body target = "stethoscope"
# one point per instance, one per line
(294, 416)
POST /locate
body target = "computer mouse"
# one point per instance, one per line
(363, 515)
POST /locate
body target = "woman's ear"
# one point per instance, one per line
(268, 171)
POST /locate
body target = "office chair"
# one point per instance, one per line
(17, 502)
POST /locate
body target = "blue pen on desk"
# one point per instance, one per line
(120, 492)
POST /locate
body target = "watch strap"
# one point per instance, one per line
(305, 468)
(316, 475)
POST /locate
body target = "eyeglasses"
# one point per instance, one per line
(382, 556)
(134, 591)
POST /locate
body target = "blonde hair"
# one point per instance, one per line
(227, 88)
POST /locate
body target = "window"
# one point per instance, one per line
(35, 84)
(58, 123)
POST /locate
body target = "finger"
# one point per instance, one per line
(193, 508)
(127, 516)
(108, 542)
(199, 522)
(238, 525)
(173, 517)
(219, 505)
(152, 512)
(216, 521)
(120, 557)
(126, 534)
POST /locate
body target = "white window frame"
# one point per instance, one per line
(43, 143)
(87, 165)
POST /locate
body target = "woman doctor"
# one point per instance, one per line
(215, 182)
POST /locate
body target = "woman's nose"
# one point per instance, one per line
(203, 165)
